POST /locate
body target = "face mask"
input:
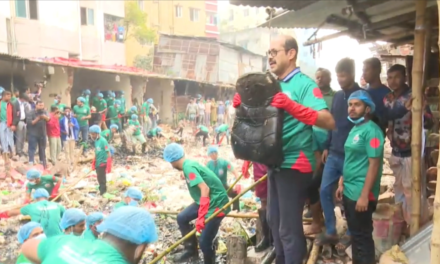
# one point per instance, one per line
(40, 236)
(55, 101)
(139, 252)
(133, 203)
(357, 120)
(32, 183)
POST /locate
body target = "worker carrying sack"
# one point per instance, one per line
(258, 126)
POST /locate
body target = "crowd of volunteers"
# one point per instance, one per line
(333, 147)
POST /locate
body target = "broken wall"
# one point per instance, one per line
(162, 92)
(104, 81)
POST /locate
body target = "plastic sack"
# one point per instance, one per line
(258, 126)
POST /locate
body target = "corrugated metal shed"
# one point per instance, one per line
(285, 4)
(391, 20)
(203, 59)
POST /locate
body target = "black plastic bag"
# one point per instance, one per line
(258, 126)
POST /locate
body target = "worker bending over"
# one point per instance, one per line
(209, 196)
(108, 134)
(48, 214)
(136, 136)
(92, 221)
(202, 131)
(102, 162)
(126, 235)
(132, 197)
(73, 222)
(221, 167)
(35, 181)
(28, 231)
(155, 133)
(360, 182)
(223, 131)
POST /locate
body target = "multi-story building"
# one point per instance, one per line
(86, 29)
(176, 17)
(235, 18)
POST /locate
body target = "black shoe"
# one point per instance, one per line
(270, 257)
(209, 259)
(190, 251)
(265, 240)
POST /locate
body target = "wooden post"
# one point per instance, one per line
(427, 50)
(237, 250)
(435, 236)
(417, 96)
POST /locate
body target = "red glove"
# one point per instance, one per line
(245, 169)
(119, 115)
(109, 165)
(55, 190)
(236, 101)
(93, 164)
(304, 114)
(238, 188)
(203, 210)
(4, 215)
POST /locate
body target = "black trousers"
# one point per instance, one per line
(314, 186)
(360, 225)
(206, 240)
(232, 194)
(33, 143)
(288, 191)
(204, 135)
(102, 178)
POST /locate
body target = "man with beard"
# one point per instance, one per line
(333, 154)
(304, 107)
(208, 194)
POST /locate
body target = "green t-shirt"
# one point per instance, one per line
(319, 138)
(13, 99)
(107, 134)
(112, 114)
(60, 107)
(87, 98)
(88, 235)
(145, 109)
(48, 214)
(3, 111)
(204, 129)
(102, 150)
(220, 168)
(73, 249)
(328, 98)
(102, 105)
(136, 124)
(110, 101)
(122, 99)
(297, 136)
(196, 174)
(153, 132)
(363, 142)
(22, 260)
(80, 112)
(223, 128)
(120, 204)
(95, 101)
(47, 182)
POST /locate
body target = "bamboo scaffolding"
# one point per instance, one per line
(190, 234)
(435, 236)
(417, 100)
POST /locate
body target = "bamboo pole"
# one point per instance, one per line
(435, 236)
(417, 98)
(190, 234)
(232, 215)
(238, 179)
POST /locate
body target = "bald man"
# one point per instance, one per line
(304, 107)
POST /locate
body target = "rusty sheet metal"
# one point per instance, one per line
(187, 58)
